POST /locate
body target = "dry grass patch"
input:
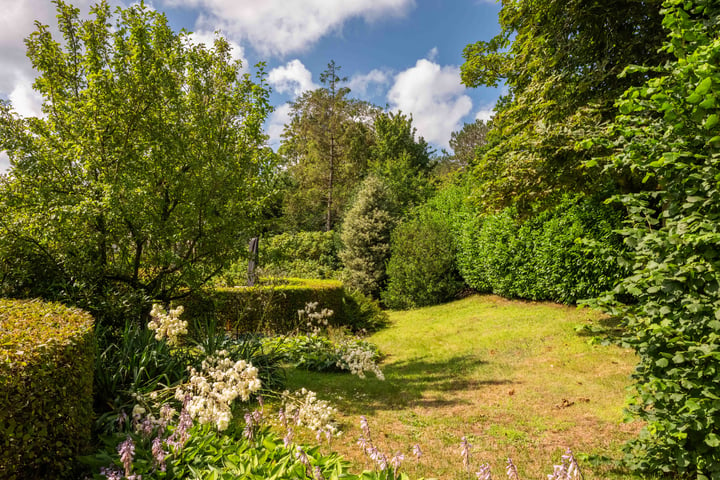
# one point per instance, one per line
(515, 378)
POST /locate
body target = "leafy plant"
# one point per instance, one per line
(422, 269)
(667, 131)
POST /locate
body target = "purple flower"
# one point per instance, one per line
(302, 456)
(317, 473)
(282, 417)
(287, 439)
(159, 453)
(511, 470)
(364, 426)
(417, 452)
(484, 472)
(465, 452)
(111, 473)
(397, 460)
(126, 450)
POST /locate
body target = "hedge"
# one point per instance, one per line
(564, 254)
(46, 377)
(273, 307)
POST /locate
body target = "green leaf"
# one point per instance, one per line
(704, 86)
(712, 440)
(711, 121)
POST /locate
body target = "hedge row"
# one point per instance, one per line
(46, 378)
(273, 308)
(564, 254)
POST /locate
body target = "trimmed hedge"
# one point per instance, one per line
(564, 254)
(46, 377)
(273, 307)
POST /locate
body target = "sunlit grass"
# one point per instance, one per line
(514, 377)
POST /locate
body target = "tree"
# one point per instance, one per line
(365, 237)
(466, 142)
(401, 160)
(325, 145)
(561, 62)
(667, 131)
(147, 171)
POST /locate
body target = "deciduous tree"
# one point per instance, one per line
(147, 169)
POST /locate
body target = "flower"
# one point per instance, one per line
(484, 472)
(167, 325)
(126, 449)
(465, 452)
(417, 452)
(511, 470)
(212, 390)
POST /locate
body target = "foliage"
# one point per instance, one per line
(466, 142)
(300, 255)
(146, 172)
(564, 254)
(321, 353)
(422, 269)
(560, 61)
(46, 361)
(401, 161)
(325, 146)
(273, 307)
(667, 131)
(365, 237)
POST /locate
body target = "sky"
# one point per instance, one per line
(404, 55)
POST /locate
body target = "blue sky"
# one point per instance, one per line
(403, 54)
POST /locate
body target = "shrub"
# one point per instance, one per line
(273, 308)
(421, 270)
(563, 254)
(300, 254)
(46, 375)
(366, 238)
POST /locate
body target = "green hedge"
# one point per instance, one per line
(563, 254)
(273, 307)
(46, 378)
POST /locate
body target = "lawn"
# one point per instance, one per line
(515, 378)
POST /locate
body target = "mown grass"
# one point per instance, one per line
(514, 377)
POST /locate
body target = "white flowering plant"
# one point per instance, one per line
(167, 325)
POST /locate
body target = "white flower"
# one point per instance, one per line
(167, 325)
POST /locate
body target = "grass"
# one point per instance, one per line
(514, 377)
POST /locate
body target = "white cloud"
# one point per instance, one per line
(208, 39)
(432, 54)
(485, 113)
(4, 162)
(281, 27)
(276, 124)
(293, 78)
(360, 84)
(26, 101)
(435, 98)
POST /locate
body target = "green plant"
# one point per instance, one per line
(121, 203)
(421, 270)
(563, 254)
(365, 237)
(46, 360)
(667, 131)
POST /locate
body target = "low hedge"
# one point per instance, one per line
(272, 307)
(46, 377)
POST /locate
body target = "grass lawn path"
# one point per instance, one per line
(514, 377)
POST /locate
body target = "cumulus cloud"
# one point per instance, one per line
(435, 98)
(276, 124)
(280, 27)
(26, 101)
(485, 113)
(4, 162)
(293, 78)
(208, 39)
(362, 84)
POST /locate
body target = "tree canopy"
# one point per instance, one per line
(561, 62)
(147, 170)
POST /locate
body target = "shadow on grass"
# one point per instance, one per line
(408, 384)
(606, 330)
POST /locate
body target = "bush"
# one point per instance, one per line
(563, 254)
(273, 308)
(366, 238)
(422, 267)
(301, 254)
(46, 377)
